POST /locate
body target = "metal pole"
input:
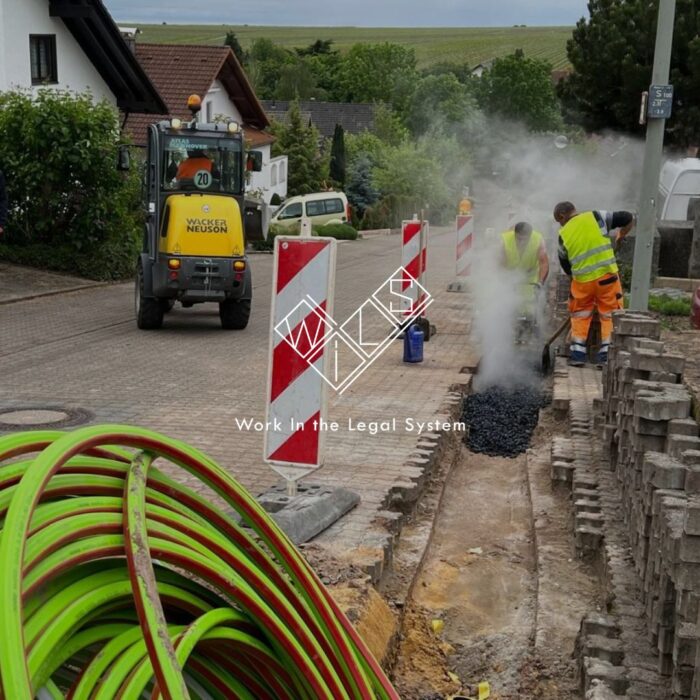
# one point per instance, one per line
(646, 222)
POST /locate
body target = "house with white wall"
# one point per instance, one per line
(71, 45)
(213, 73)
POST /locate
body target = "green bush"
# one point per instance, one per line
(274, 231)
(389, 212)
(71, 210)
(668, 306)
(341, 232)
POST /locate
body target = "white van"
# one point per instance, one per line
(321, 207)
(679, 188)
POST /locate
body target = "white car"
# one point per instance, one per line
(321, 207)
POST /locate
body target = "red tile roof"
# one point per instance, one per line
(256, 138)
(181, 70)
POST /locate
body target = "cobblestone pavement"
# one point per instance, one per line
(192, 380)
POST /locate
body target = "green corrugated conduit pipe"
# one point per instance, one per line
(118, 582)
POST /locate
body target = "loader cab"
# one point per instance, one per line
(194, 239)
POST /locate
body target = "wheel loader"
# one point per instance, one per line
(196, 219)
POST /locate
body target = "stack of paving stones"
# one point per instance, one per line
(650, 508)
(573, 463)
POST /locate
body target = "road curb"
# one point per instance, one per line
(56, 292)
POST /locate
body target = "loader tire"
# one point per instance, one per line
(234, 314)
(149, 311)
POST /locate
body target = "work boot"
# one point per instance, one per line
(602, 357)
(577, 358)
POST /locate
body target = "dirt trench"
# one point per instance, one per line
(499, 592)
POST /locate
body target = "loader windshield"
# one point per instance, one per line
(196, 164)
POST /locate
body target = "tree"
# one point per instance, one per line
(358, 188)
(231, 41)
(378, 73)
(337, 164)
(325, 68)
(320, 47)
(296, 81)
(520, 89)
(612, 54)
(265, 63)
(439, 99)
(299, 143)
(461, 71)
(388, 126)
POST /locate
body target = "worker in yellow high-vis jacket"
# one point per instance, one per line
(587, 255)
(524, 250)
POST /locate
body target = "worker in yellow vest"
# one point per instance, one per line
(524, 250)
(587, 255)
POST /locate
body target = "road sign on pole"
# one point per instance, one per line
(646, 222)
(302, 311)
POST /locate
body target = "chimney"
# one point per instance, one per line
(129, 36)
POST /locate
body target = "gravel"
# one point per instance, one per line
(501, 421)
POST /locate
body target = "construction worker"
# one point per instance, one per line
(524, 250)
(195, 162)
(587, 255)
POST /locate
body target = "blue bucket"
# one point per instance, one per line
(413, 344)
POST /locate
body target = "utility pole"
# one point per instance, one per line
(660, 98)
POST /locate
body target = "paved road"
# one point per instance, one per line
(191, 379)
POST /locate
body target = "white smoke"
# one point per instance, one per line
(521, 178)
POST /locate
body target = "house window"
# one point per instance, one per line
(210, 112)
(283, 173)
(273, 177)
(42, 53)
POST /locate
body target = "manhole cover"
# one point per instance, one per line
(27, 418)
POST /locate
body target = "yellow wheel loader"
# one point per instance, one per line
(195, 238)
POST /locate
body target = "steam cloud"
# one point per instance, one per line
(520, 177)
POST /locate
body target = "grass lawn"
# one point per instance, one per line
(473, 45)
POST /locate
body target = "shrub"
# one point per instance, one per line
(274, 231)
(341, 232)
(70, 209)
(389, 212)
(668, 306)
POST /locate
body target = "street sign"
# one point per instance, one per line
(660, 101)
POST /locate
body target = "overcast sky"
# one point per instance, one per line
(368, 13)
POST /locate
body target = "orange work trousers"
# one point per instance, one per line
(604, 294)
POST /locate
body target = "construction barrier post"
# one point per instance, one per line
(301, 324)
(414, 259)
(465, 242)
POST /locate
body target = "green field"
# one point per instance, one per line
(472, 45)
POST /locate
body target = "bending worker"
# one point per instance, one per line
(587, 255)
(524, 250)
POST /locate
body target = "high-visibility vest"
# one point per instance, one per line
(589, 250)
(529, 260)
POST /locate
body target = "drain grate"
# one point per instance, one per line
(40, 417)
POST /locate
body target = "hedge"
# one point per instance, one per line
(71, 210)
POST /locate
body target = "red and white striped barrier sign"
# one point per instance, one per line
(414, 257)
(465, 241)
(302, 310)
